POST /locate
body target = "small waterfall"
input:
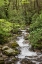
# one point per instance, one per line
(24, 48)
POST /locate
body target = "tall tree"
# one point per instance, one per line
(6, 8)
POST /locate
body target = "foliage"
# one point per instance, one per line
(15, 28)
(2, 2)
(16, 16)
(20, 14)
(36, 38)
(5, 28)
(36, 33)
(25, 1)
(2, 12)
(37, 23)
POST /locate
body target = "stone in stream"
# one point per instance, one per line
(39, 59)
(27, 61)
(11, 60)
(14, 44)
(27, 29)
(26, 36)
(5, 48)
(26, 42)
(9, 51)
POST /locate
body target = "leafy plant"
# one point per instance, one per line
(5, 28)
(35, 36)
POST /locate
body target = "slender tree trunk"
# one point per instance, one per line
(37, 6)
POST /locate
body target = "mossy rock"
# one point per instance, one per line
(9, 52)
(5, 48)
(14, 59)
(14, 36)
(16, 52)
(14, 44)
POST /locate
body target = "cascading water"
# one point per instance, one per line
(24, 48)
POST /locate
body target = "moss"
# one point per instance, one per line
(14, 44)
(17, 52)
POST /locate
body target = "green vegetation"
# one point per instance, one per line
(36, 33)
(19, 14)
(2, 2)
(5, 28)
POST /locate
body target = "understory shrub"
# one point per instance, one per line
(35, 36)
(5, 28)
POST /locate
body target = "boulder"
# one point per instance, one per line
(5, 48)
(9, 51)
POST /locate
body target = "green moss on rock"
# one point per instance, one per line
(14, 44)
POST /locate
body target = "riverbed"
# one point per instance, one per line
(26, 53)
(22, 53)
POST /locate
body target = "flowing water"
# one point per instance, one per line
(25, 49)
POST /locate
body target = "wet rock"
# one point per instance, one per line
(9, 51)
(32, 56)
(26, 41)
(14, 44)
(1, 60)
(39, 59)
(38, 51)
(11, 60)
(5, 57)
(26, 61)
(26, 37)
(27, 29)
(8, 61)
(40, 63)
(41, 50)
(14, 59)
(5, 48)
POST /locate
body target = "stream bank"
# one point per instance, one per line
(26, 55)
(23, 53)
